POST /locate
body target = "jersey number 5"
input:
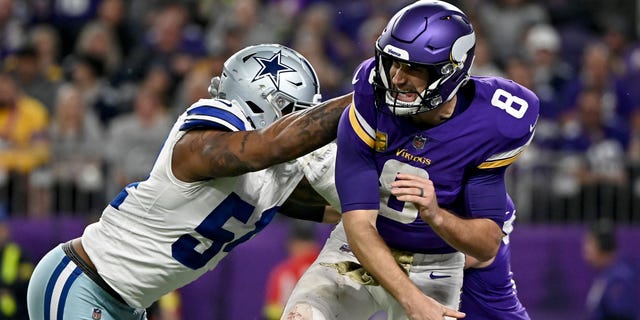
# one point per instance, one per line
(189, 251)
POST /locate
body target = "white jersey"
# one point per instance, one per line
(319, 168)
(161, 234)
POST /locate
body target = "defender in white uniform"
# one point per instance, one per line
(215, 184)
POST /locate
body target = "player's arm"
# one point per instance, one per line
(205, 154)
(375, 256)
(471, 262)
(315, 213)
(355, 166)
(373, 253)
(476, 237)
(485, 197)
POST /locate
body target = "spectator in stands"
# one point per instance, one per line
(504, 23)
(328, 49)
(550, 74)
(613, 294)
(588, 131)
(111, 14)
(597, 150)
(596, 73)
(99, 41)
(23, 141)
(191, 89)
(134, 140)
(158, 80)
(242, 23)
(617, 34)
(484, 63)
(86, 73)
(12, 29)
(15, 272)
(25, 67)
(46, 41)
(302, 250)
(171, 40)
(69, 18)
(77, 164)
(139, 15)
(368, 33)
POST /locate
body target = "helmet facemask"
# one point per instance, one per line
(425, 100)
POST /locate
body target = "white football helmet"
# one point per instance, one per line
(267, 81)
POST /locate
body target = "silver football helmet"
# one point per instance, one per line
(267, 81)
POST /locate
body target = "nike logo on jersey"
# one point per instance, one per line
(531, 127)
(435, 276)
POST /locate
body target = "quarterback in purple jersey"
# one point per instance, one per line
(422, 152)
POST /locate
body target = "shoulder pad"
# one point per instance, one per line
(514, 108)
(215, 114)
(363, 77)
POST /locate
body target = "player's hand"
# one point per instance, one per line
(420, 191)
(214, 86)
(429, 309)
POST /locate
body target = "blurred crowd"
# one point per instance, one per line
(90, 88)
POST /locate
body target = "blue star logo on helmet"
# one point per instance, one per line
(272, 68)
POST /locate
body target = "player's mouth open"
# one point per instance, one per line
(405, 96)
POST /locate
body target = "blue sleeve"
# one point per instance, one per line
(215, 114)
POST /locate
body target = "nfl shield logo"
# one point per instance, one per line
(418, 142)
(97, 314)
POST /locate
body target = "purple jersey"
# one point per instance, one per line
(490, 293)
(613, 294)
(493, 124)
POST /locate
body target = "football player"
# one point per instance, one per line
(421, 157)
(223, 172)
(488, 290)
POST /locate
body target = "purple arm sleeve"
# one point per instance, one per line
(356, 175)
(485, 194)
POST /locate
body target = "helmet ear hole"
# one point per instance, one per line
(288, 108)
(254, 107)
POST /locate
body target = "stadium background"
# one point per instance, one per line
(112, 75)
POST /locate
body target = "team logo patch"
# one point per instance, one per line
(418, 142)
(272, 68)
(97, 314)
(381, 141)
